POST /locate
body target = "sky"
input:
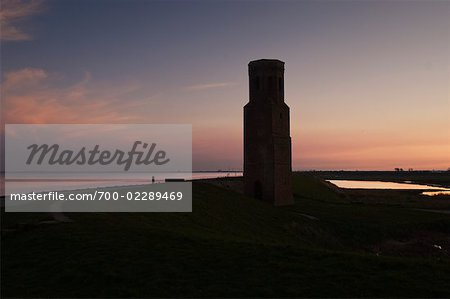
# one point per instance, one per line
(367, 81)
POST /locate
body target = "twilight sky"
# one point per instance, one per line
(367, 81)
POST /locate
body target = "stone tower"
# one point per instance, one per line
(267, 141)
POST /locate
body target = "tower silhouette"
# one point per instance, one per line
(267, 141)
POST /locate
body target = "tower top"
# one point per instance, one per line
(266, 63)
(266, 81)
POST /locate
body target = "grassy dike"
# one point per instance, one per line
(326, 245)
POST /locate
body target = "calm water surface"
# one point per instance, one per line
(41, 183)
(389, 185)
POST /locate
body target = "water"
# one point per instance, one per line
(66, 182)
(389, 185)
(433, 193)
(139, 178)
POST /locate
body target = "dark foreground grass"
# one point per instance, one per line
(168, 265)
(229, 246)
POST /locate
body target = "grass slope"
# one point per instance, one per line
(229, 246)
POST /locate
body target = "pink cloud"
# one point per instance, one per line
(32, 96)
(23, 78)
(12, 13)
(206, 86)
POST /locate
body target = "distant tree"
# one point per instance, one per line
(410, 169)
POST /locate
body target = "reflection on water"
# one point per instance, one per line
(389, 185)
(434, 193)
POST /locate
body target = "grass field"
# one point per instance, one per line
(326, 245)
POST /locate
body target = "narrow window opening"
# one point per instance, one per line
(271, 83)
